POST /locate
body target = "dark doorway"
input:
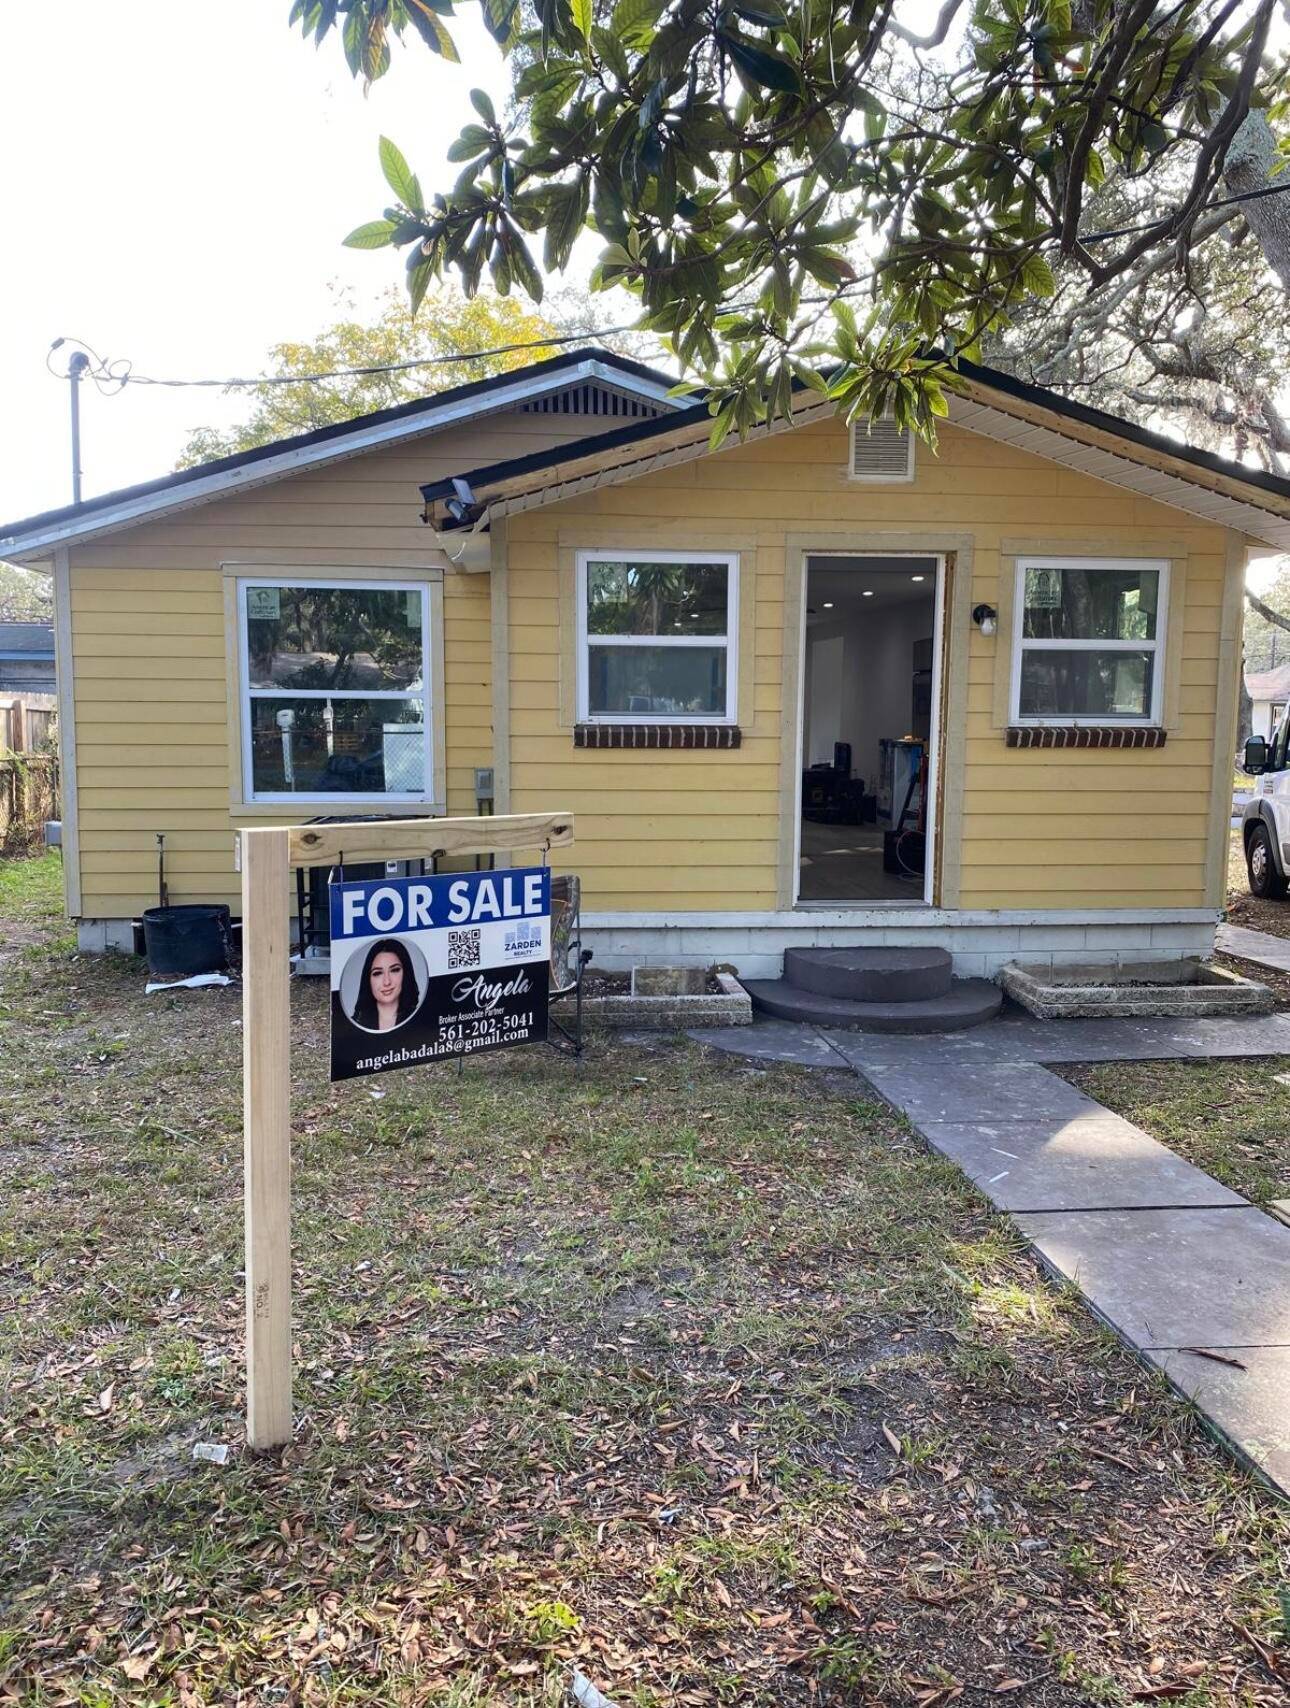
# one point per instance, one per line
(869, 678)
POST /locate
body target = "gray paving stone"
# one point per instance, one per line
(1093, 1162)
(1014, 1039)
(1247, 1406)
(1257, 1035)
(772, 1041)
(1174, 1278)
(969, 1091)
(1260, 946)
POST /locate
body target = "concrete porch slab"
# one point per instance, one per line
(1090, 1162)
(773, 1041)
(1246, 1406)
(1020, 1038)
(1166, 1279)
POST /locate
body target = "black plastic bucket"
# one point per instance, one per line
(181, 941)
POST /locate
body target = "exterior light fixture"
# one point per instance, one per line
(986, 618)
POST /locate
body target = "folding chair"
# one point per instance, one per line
(568, 960)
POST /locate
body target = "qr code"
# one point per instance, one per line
(463, 949)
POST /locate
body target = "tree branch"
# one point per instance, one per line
(944, 18)
(1266, 611)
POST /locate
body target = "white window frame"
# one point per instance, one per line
(1154, 713)
(730, 640)
(246, 693)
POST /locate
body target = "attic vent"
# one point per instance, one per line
(591, 399)
(881, 451)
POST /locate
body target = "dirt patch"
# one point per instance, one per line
(1247, 910)
(1277, 982)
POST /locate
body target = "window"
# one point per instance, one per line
(335, 690)
(657, 637)
(1088, 641)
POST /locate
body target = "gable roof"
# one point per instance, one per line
(992, 403)
(26, 640)
(36, 535)
(1271, 684)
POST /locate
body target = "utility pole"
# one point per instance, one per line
(75, 368)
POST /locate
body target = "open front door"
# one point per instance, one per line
(872, 712)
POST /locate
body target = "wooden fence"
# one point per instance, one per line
(28, 797)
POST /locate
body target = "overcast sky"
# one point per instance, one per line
(177, 181)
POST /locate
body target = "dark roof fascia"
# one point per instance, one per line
(1036, 396)
(1039, 397)
(552, 367)
(636, 432)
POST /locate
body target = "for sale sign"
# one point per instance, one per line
(426, 968)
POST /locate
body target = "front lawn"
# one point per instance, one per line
(707, 1377)
(1229, 1117)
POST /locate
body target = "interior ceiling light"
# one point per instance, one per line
(868, 593)
(918, 578)
(828, 604)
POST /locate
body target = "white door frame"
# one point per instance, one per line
(933, 745)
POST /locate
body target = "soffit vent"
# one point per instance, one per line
(591, 399)
(881, 451)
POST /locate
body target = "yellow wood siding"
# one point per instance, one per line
(682, 833)
(696, 831)
(148, 646)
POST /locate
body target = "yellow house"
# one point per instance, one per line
(821, 687)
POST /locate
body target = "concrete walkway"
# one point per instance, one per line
(1261, 946)
(1187, 1272)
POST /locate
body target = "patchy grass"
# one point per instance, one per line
(705, 1376)
(1230, 1117)
(31, 897)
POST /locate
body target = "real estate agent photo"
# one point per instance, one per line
(385, 990)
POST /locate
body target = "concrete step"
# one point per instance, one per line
(967, 1003)
(871, 975)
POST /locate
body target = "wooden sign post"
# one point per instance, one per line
(268, 858)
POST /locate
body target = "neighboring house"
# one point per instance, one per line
(27, 684)
(818, 687)
(1269, 692)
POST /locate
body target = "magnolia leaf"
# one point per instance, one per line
(473, 141)
(432, 30)
(400, 176)
(582, 12)
(499, 18)
(522, 269)
(1037, 276)
(566, 212)
(758, 65)
(635, 17)
(376, 234)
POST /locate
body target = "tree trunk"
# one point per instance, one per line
(1251, 156)
(1244, 712)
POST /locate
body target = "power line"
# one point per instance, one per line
(119, 373)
